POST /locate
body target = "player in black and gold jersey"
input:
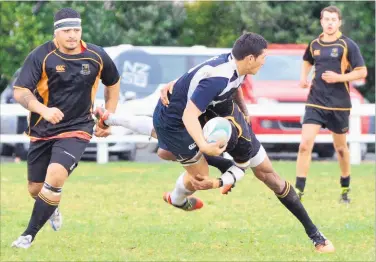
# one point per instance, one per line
(337, 60)
(57, 84)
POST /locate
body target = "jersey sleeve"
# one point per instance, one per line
(110, 74)
(308, 54)
(354, 56)
(207, 90)
(30, 73)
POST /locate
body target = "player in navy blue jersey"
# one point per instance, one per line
(336, 60)
(57, 84)
(177, 126)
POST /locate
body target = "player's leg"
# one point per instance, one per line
(181, 196)
(339, 125)
(287, 196)
(39, 156)
(343, 154)
(140, 124)
(65, 155)
(222, 164)
(313, 120)
(165, 154)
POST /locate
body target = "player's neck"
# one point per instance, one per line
(66, 51)
(239, 68)
(329, 38)
(75, 51)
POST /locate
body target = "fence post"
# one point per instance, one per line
(102, 152)
(355, 131)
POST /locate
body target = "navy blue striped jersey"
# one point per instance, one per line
(209, 83)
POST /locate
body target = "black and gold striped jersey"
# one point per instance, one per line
(68, 82)
(340, 56)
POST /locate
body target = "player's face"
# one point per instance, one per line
(330, 23)
(256, 63)
(69, 38)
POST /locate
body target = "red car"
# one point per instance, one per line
(282, 86)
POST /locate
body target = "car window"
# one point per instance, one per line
(280, 67)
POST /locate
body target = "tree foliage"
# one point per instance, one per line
(25, 25)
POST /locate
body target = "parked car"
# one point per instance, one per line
(9, 124)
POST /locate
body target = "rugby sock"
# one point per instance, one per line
(232, 175)
(345, 181)
(140, 124)
(300, 183)
(42, 211)
(290, 200)
(180, 192)
(223, 164)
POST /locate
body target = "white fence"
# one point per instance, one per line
(355, 137)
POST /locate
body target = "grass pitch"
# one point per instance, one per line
(115, 212)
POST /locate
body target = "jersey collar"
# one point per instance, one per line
(338, 35)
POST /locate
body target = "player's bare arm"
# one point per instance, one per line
(306, 68)
(27, 99)
(333, 77)
(190, 120)
(239, 100)
(111, 97)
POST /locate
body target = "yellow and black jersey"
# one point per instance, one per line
(68, 82)
(340, 56)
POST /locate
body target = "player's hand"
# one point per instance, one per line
(331, 77)
(304, 83)
(213, 149)
(100, 132)
(53, 115)
(204, 182)
(164, 93)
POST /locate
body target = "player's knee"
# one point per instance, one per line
(56, 174)
(165, 155)
(341, 150)
(305, 146)
(34, 188)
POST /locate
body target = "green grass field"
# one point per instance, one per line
(115, 212)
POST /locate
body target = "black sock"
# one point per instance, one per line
(345, 181)
(219, 162)
(42, 211)
(291, 201)
(300, 183)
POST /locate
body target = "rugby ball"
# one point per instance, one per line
(217, 129)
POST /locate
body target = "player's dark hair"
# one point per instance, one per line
(66, 13)
(248, 44)
(332, 9)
